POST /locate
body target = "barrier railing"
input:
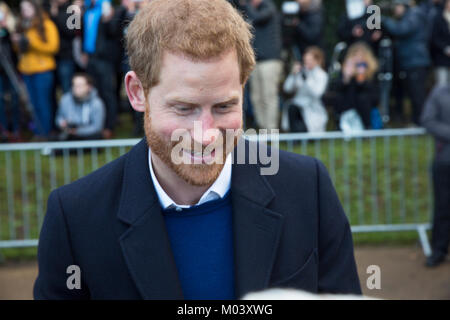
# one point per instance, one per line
(381, 176)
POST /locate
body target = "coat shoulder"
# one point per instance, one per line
(96, 185)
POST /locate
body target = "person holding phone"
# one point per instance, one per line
(356, 85)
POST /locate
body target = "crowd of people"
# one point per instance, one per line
(408, 52)
(62, 82)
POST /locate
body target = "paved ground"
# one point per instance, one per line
(403, 275)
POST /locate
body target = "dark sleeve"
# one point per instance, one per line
(61, 23)
(403, 27)
(55, 256)
(431, 120)
(261, 15)
(344, 29)
(310, 29)
(369, 89)
(438, 38)
(114, 27)
(337, 267)
(345, 94)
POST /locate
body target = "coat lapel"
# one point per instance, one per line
(145, 244)
(257, 229)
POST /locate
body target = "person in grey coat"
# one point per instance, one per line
(81, 112)
(436, 119)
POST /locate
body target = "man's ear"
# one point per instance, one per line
(135, 91)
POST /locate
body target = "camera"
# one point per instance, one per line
(290, 10)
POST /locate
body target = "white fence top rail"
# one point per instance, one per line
(48, 146)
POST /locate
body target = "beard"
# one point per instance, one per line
(196, 174)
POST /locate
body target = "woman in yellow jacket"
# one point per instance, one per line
(37, 43)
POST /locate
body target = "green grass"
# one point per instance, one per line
(367, 199)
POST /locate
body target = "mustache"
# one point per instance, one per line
(194, 145)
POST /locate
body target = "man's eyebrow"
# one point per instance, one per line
(232, 100)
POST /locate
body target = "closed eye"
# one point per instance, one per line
(225, 107)
(183, 109)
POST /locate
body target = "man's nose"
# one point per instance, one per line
(207, 125)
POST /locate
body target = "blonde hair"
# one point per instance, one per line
(198, 29)
(10, 20)
(368, 56)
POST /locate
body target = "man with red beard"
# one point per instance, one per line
(180, 216)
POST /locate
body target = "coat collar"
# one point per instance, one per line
(146, 246)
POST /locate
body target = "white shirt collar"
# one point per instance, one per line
(217, 190)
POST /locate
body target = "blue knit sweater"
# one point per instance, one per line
(201, 238)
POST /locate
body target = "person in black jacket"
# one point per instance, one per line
(356, 86)
(265, 79)
(65, 63)
(431, 8)
(147, 226)
(440, 45)
(309, 25)
(355, 30)
(436, 119)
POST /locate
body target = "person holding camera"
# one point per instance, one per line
(309, 24)
(354, 29)
(81, 112)
(37, 42)
(356, 86)
(308, 82)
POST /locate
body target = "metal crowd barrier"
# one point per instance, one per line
(382, 177)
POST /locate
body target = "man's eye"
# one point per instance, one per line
(183, 109)
(224, 107)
